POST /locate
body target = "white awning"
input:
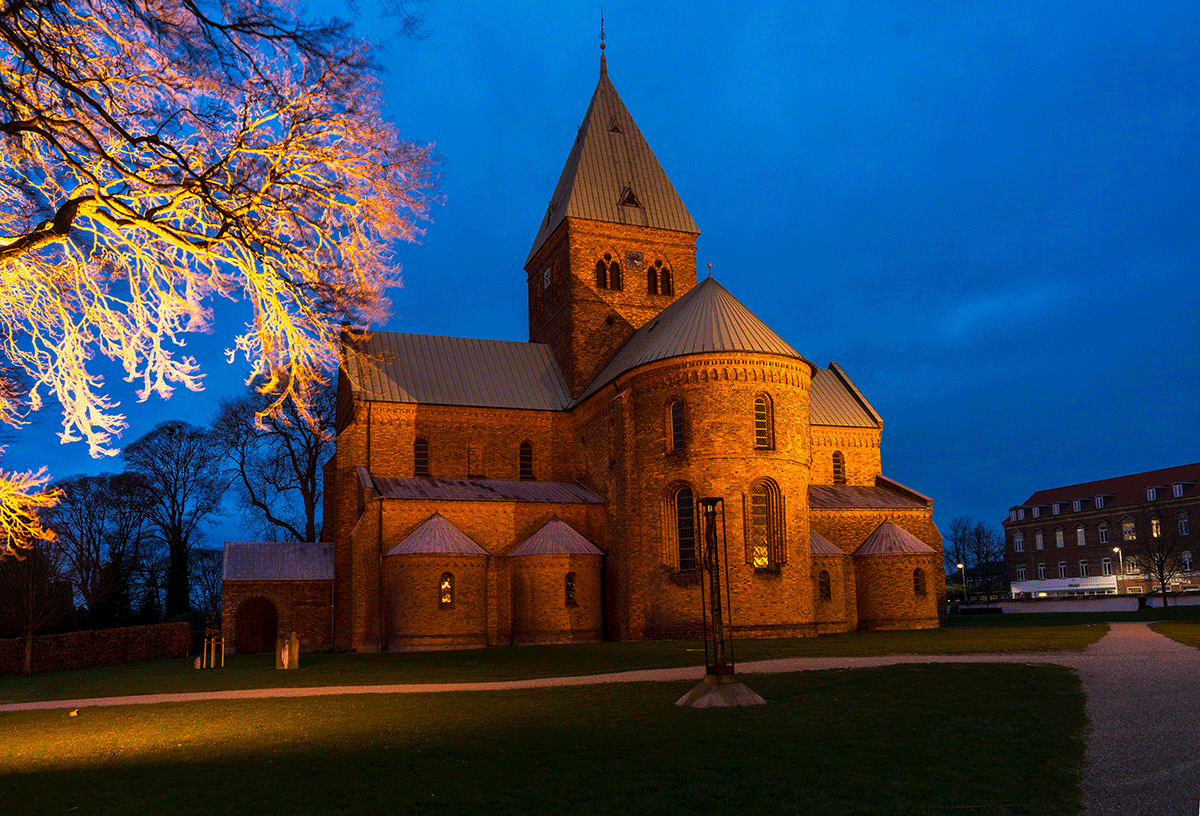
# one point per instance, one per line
(1090, 584)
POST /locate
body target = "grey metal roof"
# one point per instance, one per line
(835, 400)
(890, 539)
(820, 545)
(436, 535)
(511, 490)
(429, 369)
(848, 496)
(555, 537)
(278, 561)
(704, 319)
(611, 158)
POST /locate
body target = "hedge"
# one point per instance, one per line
(98, 647)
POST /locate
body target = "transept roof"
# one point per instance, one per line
(612, 175)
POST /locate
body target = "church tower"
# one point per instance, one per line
(616, 246)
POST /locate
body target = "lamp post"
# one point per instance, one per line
(964, 577)
(1121, 574)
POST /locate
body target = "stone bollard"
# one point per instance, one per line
(282, 652)
(293, 652)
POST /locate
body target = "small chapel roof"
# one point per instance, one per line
(612, 175)
(508, 490)
(890, 539)
(555, 537)
(278, 561)
(435, 370)
(706, 318)
(436, 535)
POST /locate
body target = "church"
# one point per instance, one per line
(488, 493)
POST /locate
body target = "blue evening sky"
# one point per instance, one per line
(987, 212)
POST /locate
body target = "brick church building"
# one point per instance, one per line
(490, 492)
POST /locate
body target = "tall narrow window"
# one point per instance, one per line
(839, 468)
(1062, 569)
(1155, 528)
(614, 275)
(1018, 543)
(421, 458)
(677, 439)
(666, 285)
(764, 422)
(1102, 532)
(1185, 560)
(1080, 536)
(1132, 565)
(652, 280)
(1041, 572)
(1038, 542)
(569, 589)
(760, 526)
(824, 587)
(1020, 572)
(446, 590)
(1083, 569)
(601, 275)
(526, 461)
(1058, 537)
(1128, 530)
(918, 581)
(1106, 566)
(685, 528)
(1181, 524)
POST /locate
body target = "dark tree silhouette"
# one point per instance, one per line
(32, 597)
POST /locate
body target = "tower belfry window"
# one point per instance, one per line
(608, 272)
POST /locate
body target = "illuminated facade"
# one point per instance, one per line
(491, 492)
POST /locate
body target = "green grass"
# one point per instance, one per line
(1187, 633)
(912, 739)
(1025, 619)
(520, 662)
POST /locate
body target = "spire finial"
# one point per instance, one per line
(710, 269)
(603, 62)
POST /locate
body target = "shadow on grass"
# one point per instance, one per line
(897, 740)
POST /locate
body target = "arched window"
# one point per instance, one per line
(824, 588)
(765, 546)
(1083, 569)
(839, 468)
(1128, 530)
(446, 591)
(1181, 524)
(1102, 532)
(569, 589)
(1155, 528)
(1185, 560)
(658, 279)
(614, 275)
(601, 275)
(421, 458)
(666, 286)
(1038, 542)
(676, 414)
(651, 281)
(1018, 543)
(1058, 537)
(526, 460)
(685, 528)
(918, 581)
(764, 423)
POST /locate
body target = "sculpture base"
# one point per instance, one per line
(719, 691)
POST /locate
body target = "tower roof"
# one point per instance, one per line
(706, 318)
(612, 175)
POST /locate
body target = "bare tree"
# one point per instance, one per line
(275, 463)
(32, 597)
(157, 154)
(181, 464)
(985, 555)
(957, 541)
(206, 568)
(1159, 549)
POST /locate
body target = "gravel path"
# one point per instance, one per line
(1143, 706)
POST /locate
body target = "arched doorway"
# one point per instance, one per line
(257, 626)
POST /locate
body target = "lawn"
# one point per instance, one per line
(905, 739)
(524, 662)
(1187, 633)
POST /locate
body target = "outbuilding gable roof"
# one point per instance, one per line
(436, 535)
(612, 175)
(430, 369)
(706, 318)
(278, 561)
(891, 539)
(555, 537)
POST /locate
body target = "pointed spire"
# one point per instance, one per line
(603, 62)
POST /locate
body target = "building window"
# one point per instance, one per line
(1020, 572)
(765, 549)
(446, 591)
(764, 423)
(421, 457)
(614, 275)
(1018, 543)
(1132, 565)
(1038, 542)
(608, 273)
(569, 589)
(1083, 569)
(1080, 536)
(1041, 572)
(1185, 559)
(918, 581)
(677, 426)
(1021, 513)
(1037, 511)
(1054, 508)
(839, 468)
(1012, 515)
(1058, 537)
(1099, 502)
(824, 587)
(1181, 524)
(658, 279)
(1102, 532)
(601, 274)
(1106, 566)
(1177, 490)
(1151, 493)
(1076, 505)
(1062, 569)
(685, 528)
(525, 461)
(1128, 531)
(1155, 528)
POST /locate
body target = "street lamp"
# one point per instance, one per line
(964, 577)
(1121, 574)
